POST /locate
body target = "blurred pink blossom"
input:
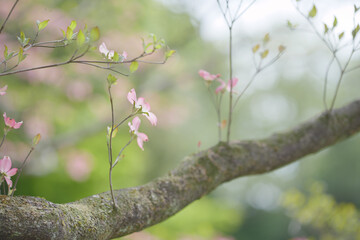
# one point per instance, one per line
(79, 165)
(224, 86)
(145, 107)
(6, 171)
(134, 127)
(3, 90)
(36, 124)
(79, 90)
(11, 122)
(207, 76)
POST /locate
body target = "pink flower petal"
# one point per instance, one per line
(5, 164)
(136, 123)
(221, 87)
(17, 125)
(8, 181)
(103, 49)
(125, 55)
(141, 137)
(132, 96)
(152, 118)
(140, 143)
(12, 172)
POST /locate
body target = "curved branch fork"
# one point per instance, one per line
(139, 207)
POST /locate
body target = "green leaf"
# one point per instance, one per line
(36, 139)
(355, 31)
(63, 32)
(313, 11)
(21, 55)
(335, 22)
(111, 79)
(264, 54)
(69, 33)
(356, 8)
(116, 57)
(134, 66)
(341, 35)
(326, 28)
(42, 25)
(80, 38)
(169, 53)
(94, 34)
(73, 25)
(256, 48)
(158, 46)
(5, 52)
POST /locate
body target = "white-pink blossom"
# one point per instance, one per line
(224, 86)
(6, 171)
(11, 122)
(207, 76)
(109, 54)
(145, 107)
(140, 137)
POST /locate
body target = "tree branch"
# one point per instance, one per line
(139, 207)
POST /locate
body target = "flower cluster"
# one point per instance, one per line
(143, 108)
(209, 78)
(11, 122)
(109, 54)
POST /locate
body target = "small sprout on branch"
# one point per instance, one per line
(256, 48)
(111, 80)
(36, 140)
(341, 35)
(42, 25)
(22, 39)
(94, 34)
(335, 22)
(264, 54)
(313, 12)
(80, 40)
(355, 31)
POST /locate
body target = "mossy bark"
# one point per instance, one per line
(95, 218)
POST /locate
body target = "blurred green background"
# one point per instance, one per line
(69, 107)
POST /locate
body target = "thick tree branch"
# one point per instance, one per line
(139, 207)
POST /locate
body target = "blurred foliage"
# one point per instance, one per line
(320, 214)
(69, 107)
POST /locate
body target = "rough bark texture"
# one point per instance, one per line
(198, 174)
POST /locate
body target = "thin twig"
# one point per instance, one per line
(20, 170)
(8, 16)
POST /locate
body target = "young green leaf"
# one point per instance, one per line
(36, 139)
(256, 48)
(73, 25)
(313, 12)
(5, 52)
(169, 53)
(335, 22)
(264, 54)
(21, 55)
(116, 57)
(326, 28)
(80, 40)
(69, 33)
(134, 66)
(42, 25)
(341, 35)
(355, 31)
(111, 79)
(94, 34)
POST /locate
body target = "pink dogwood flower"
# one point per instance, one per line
(11, 122)
(3, 90)
(109, 54)
(145, 107)
(141, 137)
(6, 171)
(207, 76)
(224, 86)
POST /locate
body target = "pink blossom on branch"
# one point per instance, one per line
(11, 122)
(134, 127)
(109, 54)
(207, 76)
(145, 107)
(6, 171)
(3, 90)
(224, 86)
